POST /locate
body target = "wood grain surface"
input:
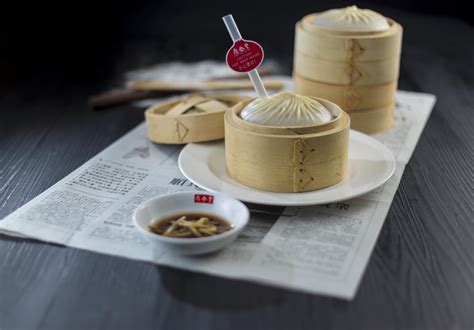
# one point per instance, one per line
(420, 275)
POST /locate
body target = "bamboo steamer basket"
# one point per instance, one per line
(371, 108)
(356, 100)
(372, 121)
(356, 70)
(346, 72)
(345, 57)
(352, 97)
(168, 123)
(287, 159)
(329, 45)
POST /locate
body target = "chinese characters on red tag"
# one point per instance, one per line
(244, 56)
(201, 198)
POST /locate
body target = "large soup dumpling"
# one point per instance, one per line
(352, 19)
(286, 109)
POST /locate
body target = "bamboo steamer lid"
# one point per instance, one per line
(287, 159)
(195, 118)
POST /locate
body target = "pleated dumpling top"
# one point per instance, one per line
(286, 109)
(352, 19)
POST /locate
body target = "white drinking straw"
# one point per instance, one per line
(253, 75)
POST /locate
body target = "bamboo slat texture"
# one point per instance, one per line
(170, 124)
(287, 159)
(358, 71)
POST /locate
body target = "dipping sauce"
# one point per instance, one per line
(190, 225)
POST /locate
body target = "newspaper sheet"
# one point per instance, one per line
(318, 249)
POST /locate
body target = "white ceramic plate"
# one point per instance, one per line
(371, 164)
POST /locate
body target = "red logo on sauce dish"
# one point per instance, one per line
(244, 56)
(199, 198)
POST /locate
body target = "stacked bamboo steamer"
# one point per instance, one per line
(350, 56)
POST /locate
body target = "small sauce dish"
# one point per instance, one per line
(192, 202)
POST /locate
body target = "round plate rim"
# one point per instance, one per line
(353, 135)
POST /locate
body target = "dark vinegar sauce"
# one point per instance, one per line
(190, 225)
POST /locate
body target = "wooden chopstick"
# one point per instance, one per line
(155, 85)
(123, 96)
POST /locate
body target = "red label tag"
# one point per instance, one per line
(199, 198)
(244, 56)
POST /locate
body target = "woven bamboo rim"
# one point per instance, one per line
(339, 47)
(350, 98)
(287, 159)
(186, 128)
(372, 121)
(346, 72)
(310, 27)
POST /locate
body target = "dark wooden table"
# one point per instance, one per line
(421, 273)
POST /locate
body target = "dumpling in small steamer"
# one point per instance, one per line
(286, 109)
(287, 143)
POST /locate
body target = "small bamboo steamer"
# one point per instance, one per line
(352, 98)
(178, 128)
(291, 159)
